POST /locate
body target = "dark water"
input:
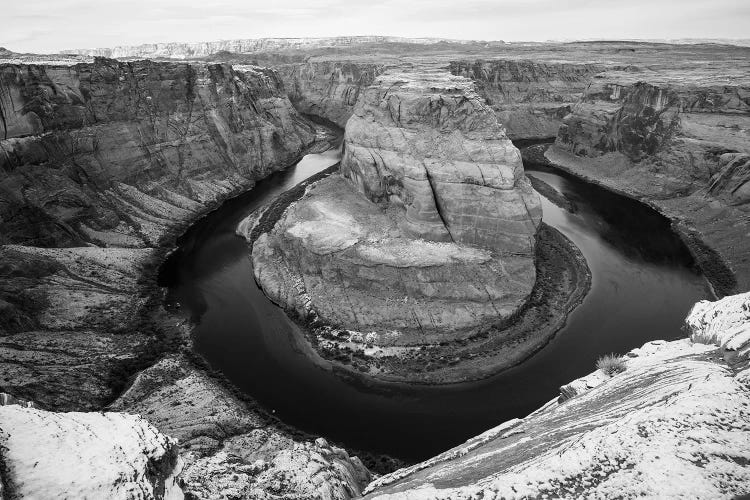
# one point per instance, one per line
(643, 285)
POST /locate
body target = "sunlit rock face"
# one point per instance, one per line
(429, 232)
(530, 98)
(674, 423)
(230, 448)
(85, 455)
(429, 145)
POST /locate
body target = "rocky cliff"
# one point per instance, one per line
(429, 233)
(102, 165)
(678, 143)
(530, 98)
(329, 89)
(120, 153)
(675, 422)
(122, 156)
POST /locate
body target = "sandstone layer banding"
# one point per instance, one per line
(429, 232)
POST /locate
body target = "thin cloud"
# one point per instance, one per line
(52, 25)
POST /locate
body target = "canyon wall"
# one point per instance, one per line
(679, 143)
(328, 89)
(530, 98)
(675, 422)
(118, 153)
(101, 166)
(120, 156)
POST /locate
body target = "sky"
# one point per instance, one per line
(53, 25)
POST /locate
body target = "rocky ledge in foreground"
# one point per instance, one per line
(428, 236)
(675, 422)
(84, 455)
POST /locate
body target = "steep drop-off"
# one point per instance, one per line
(530, 98)
(101, 166)
(679, 143)
(329, 89)
(427, 237)
(435, 190)
(675, 422)
(122, 156)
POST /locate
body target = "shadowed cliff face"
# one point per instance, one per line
(120, 153)
(530, 98)
(328, 88)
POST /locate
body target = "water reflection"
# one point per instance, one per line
(643, 285)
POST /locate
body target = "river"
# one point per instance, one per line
(643, 283)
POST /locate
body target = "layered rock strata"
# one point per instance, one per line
(101, 166)
(530, 98)
(681, 145)
(428, 234)
(329, 89)
(674, 423)
(122, 156)
(118, 154)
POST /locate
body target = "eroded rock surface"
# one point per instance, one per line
(120, 153)
(531, 98)
(428, 144)
(85, 455)
(329, 89)
(230, 447)
(101, 165)
(679, 144)
(112, 160)
(674, 423)
(429, 234)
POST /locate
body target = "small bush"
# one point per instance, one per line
(611, 364)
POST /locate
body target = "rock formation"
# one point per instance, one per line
(101, 166)
(85, 455)
(122, 155)
(429, 234)
(232, 449)
(674, 423)
(531, 98)
(678, 142)
(329, 89)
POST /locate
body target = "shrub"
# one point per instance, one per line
(611, 364)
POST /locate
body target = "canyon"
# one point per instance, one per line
(106, 162)
(430, 190)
